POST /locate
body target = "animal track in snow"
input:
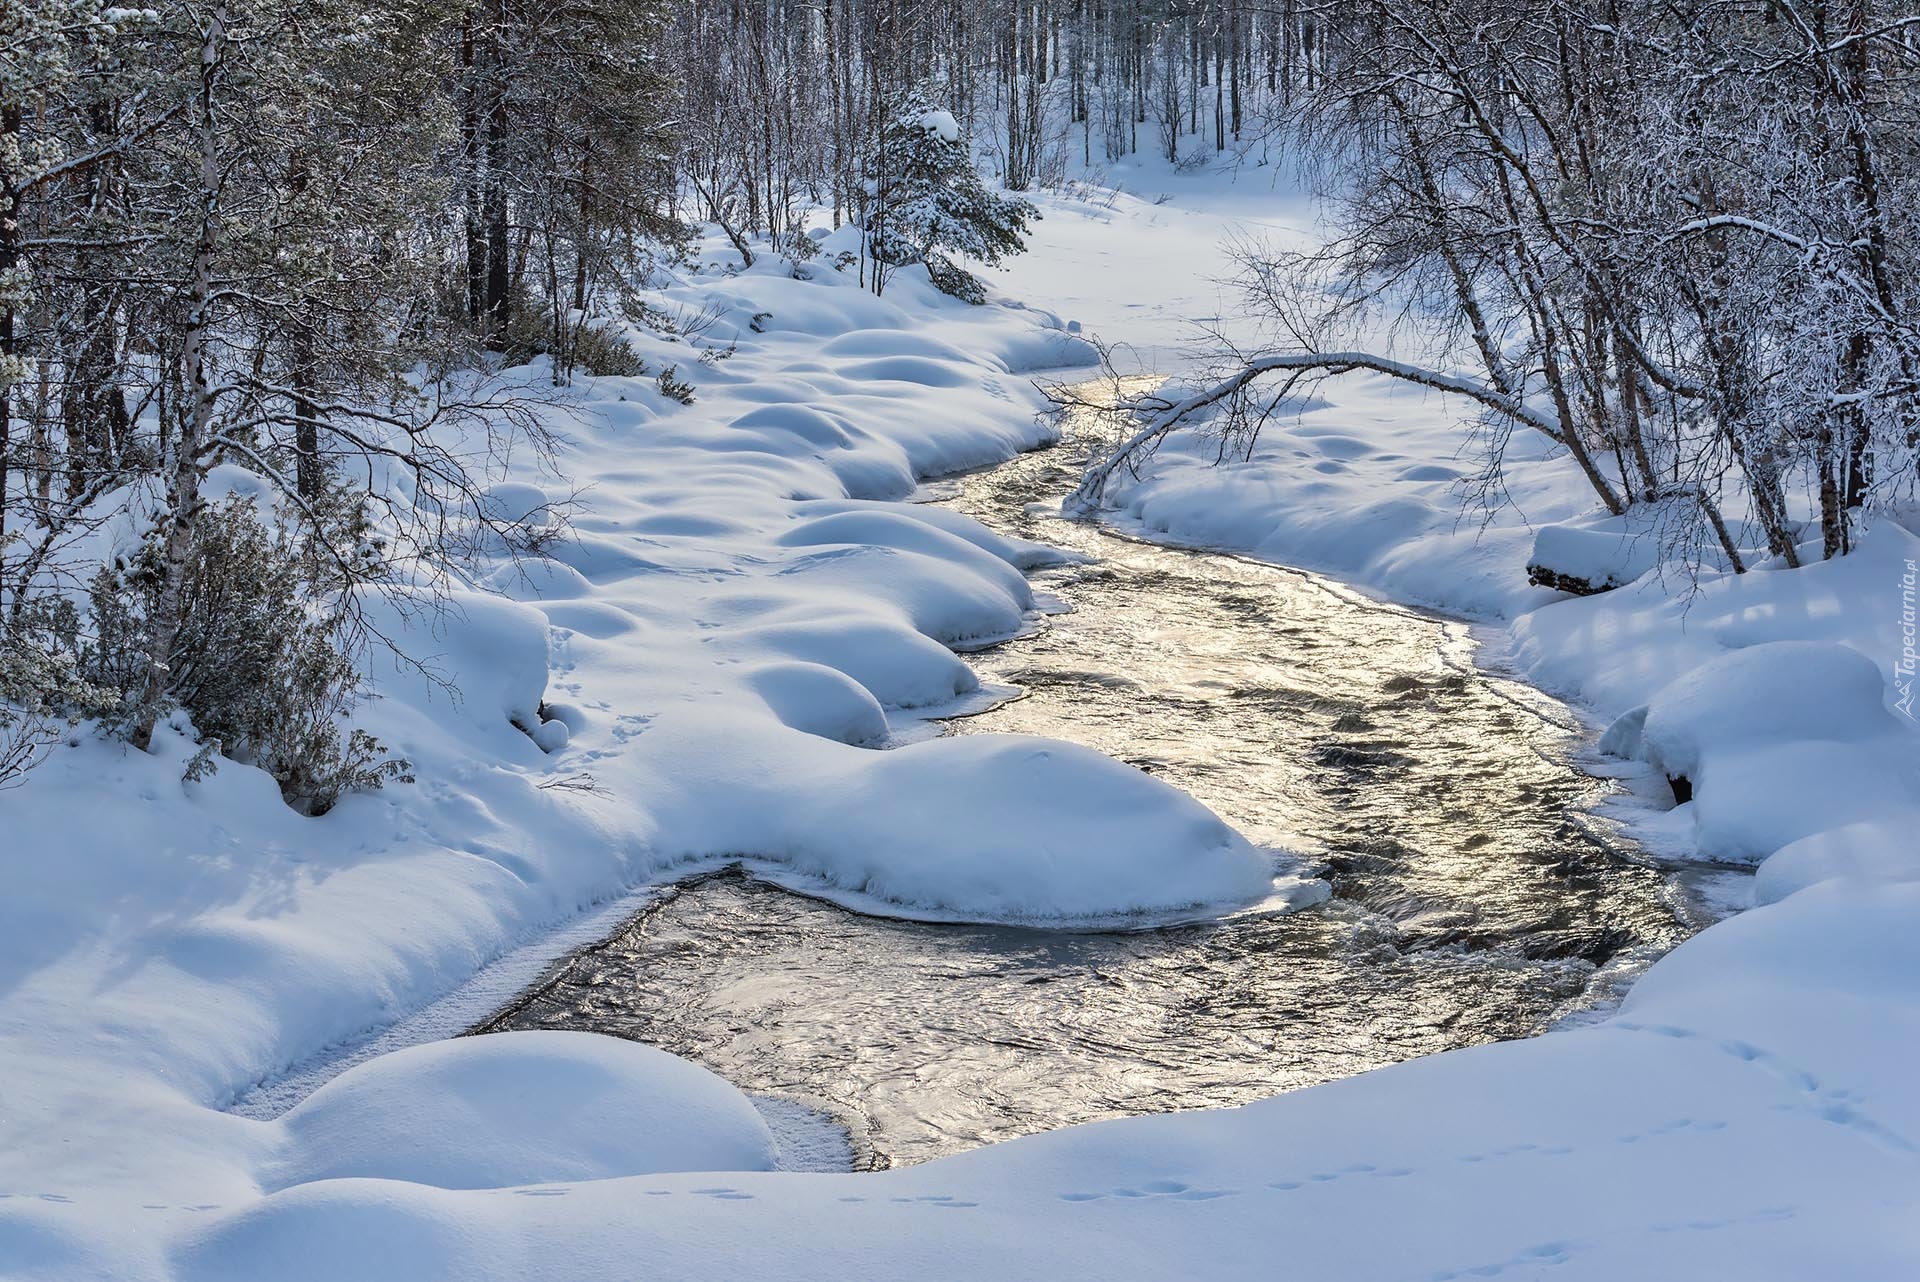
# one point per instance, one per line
(1532, 1257)
(1155, 1189)
(1836, 1105)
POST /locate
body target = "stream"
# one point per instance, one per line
(1477, 895)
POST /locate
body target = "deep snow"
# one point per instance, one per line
(722, 631)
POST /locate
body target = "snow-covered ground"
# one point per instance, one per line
(741, 612)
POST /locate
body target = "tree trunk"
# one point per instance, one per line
(196, 417)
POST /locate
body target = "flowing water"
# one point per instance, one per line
(1476, 897)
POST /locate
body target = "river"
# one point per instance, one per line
(1477, 895)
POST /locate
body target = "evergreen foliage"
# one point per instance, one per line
(266, 676)
(929, 206)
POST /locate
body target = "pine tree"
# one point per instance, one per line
(929, 206)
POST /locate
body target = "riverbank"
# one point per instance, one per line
(1778, 697)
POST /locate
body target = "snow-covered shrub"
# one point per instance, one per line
(605, 354)
(929, 205)
(797, 246)
(526, 331)
(42, 691)
(675, 325)
(264, 675)
(673, 387)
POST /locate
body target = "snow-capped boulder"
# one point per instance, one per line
(1592, 558)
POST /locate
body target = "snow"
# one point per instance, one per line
(1877, 850)
(1765, 694)
(1607, 553)
(741, 608)
(1070, 832)
(977, 828)
(941, 123)
(1779, 686)
(519, 1108)
(517, 502)
(1782, 740)
(818, 700)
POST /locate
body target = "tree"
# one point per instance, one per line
(1662, 237)
(227, 227)
(928, 205)
(565, 154)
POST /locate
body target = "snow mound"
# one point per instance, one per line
(367, 1230)
(539, 578)
(974, 600)
(491, 651)
(1877, 851)
(879, 527)
(510, 1109)
(517, 502)
(893, 342)
(1750, 802)
(1023, 553)
(809, 423)
(1781, 740)
(1012, 828)
(902, 667)
(819, 700)
(1779, 691)
(1047, 349)
(987, 828)
(1623, 738)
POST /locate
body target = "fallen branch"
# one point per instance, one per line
(1163, 416)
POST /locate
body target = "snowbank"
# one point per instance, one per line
(1765, 695)
(1008, 828)
(520, 1108)
(984, 828)
(1781, 740)
(1879, 850)
(1754, 1129)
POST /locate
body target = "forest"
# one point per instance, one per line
(302, 241)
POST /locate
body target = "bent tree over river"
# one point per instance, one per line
(1476, 895)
